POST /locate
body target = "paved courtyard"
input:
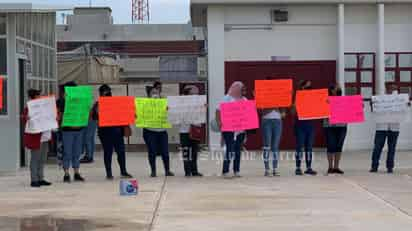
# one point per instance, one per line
(358, 200)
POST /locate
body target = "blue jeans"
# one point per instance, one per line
(305, 134)
(157, 143)
(233, 149)
(89, 134)
(272, 131)
(380, 138)
(72, 148)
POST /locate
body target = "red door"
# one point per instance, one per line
(321, 73)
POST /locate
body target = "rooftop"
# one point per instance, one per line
(255, 2)
(30, 7)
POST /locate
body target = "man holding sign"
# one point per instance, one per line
(388, 130)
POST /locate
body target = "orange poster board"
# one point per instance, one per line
(116, 111)
(1, 93)
(273, 93)
(312, 104)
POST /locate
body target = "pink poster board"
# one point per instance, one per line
(346, 109)
(239, 116)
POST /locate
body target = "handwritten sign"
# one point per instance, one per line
(151, 113)
(1, 93)
(390, 103)
(116, 111)
(390, 108)
(312, 104)
(42, 115)
(273, 93)
(78, 102)
(239, 116)
(189, 109)
(346, 109)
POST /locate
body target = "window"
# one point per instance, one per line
(399, 71)
(360, 74)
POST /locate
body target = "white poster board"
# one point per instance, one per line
(42, 115)
(391, 108)
(189, 109)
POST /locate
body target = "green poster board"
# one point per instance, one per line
(78, 102)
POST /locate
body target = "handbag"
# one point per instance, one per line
(195, 133)
(127, 131)
(32, 141)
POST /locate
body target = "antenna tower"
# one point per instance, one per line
(140, 11)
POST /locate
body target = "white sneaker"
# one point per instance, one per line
(237, 175)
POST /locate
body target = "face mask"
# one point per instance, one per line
(395, 92)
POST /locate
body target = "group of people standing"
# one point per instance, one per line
(304, 131)
(75, 140)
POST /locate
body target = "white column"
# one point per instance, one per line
(216, 64)
(380, 54)
(341, 47)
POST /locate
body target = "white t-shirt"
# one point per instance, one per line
(274, 114)
(45, 136)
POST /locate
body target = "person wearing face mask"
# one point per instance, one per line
(385, 131)
(157, 141)
(232, 140)
(111, 138)
(335, 137)
(305, 135)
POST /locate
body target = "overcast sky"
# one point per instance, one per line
(162, 11)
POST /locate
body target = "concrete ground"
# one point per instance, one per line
(356, 201)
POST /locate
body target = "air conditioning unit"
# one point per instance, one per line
(280, 15)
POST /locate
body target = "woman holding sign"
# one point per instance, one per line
(232, 140)
(305, 134)
(37, 143)
(111, 139)
(72, 142)
(335, 137)
(156, 140)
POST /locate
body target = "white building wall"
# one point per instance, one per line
(361, 28)
(113, 32)
(311, 34)
(398, 28)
